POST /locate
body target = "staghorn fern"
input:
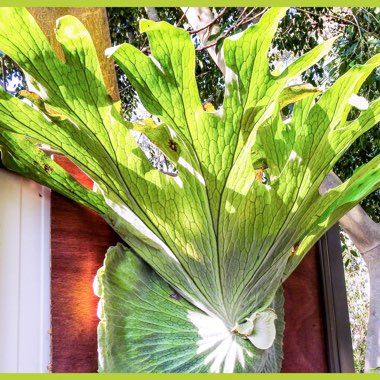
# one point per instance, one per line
(219, 237)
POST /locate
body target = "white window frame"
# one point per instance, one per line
(24, 275)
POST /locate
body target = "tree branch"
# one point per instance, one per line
(333, 15)
(152, 14)
(4, 73)
(361, 229)
(199, 18)
(207, 46)
(212, 22)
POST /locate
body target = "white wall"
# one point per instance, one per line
(24, 275)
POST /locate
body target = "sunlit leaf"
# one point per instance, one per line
(240, 213)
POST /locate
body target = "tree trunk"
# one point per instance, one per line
(372, 359)
(365, 234)
(96, 22)
(198, 18)
(152, 14)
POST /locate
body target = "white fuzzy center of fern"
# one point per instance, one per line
(217, 341)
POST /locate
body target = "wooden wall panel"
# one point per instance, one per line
(80, 239)
(304, 340)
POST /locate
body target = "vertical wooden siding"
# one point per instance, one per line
(24, 275)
